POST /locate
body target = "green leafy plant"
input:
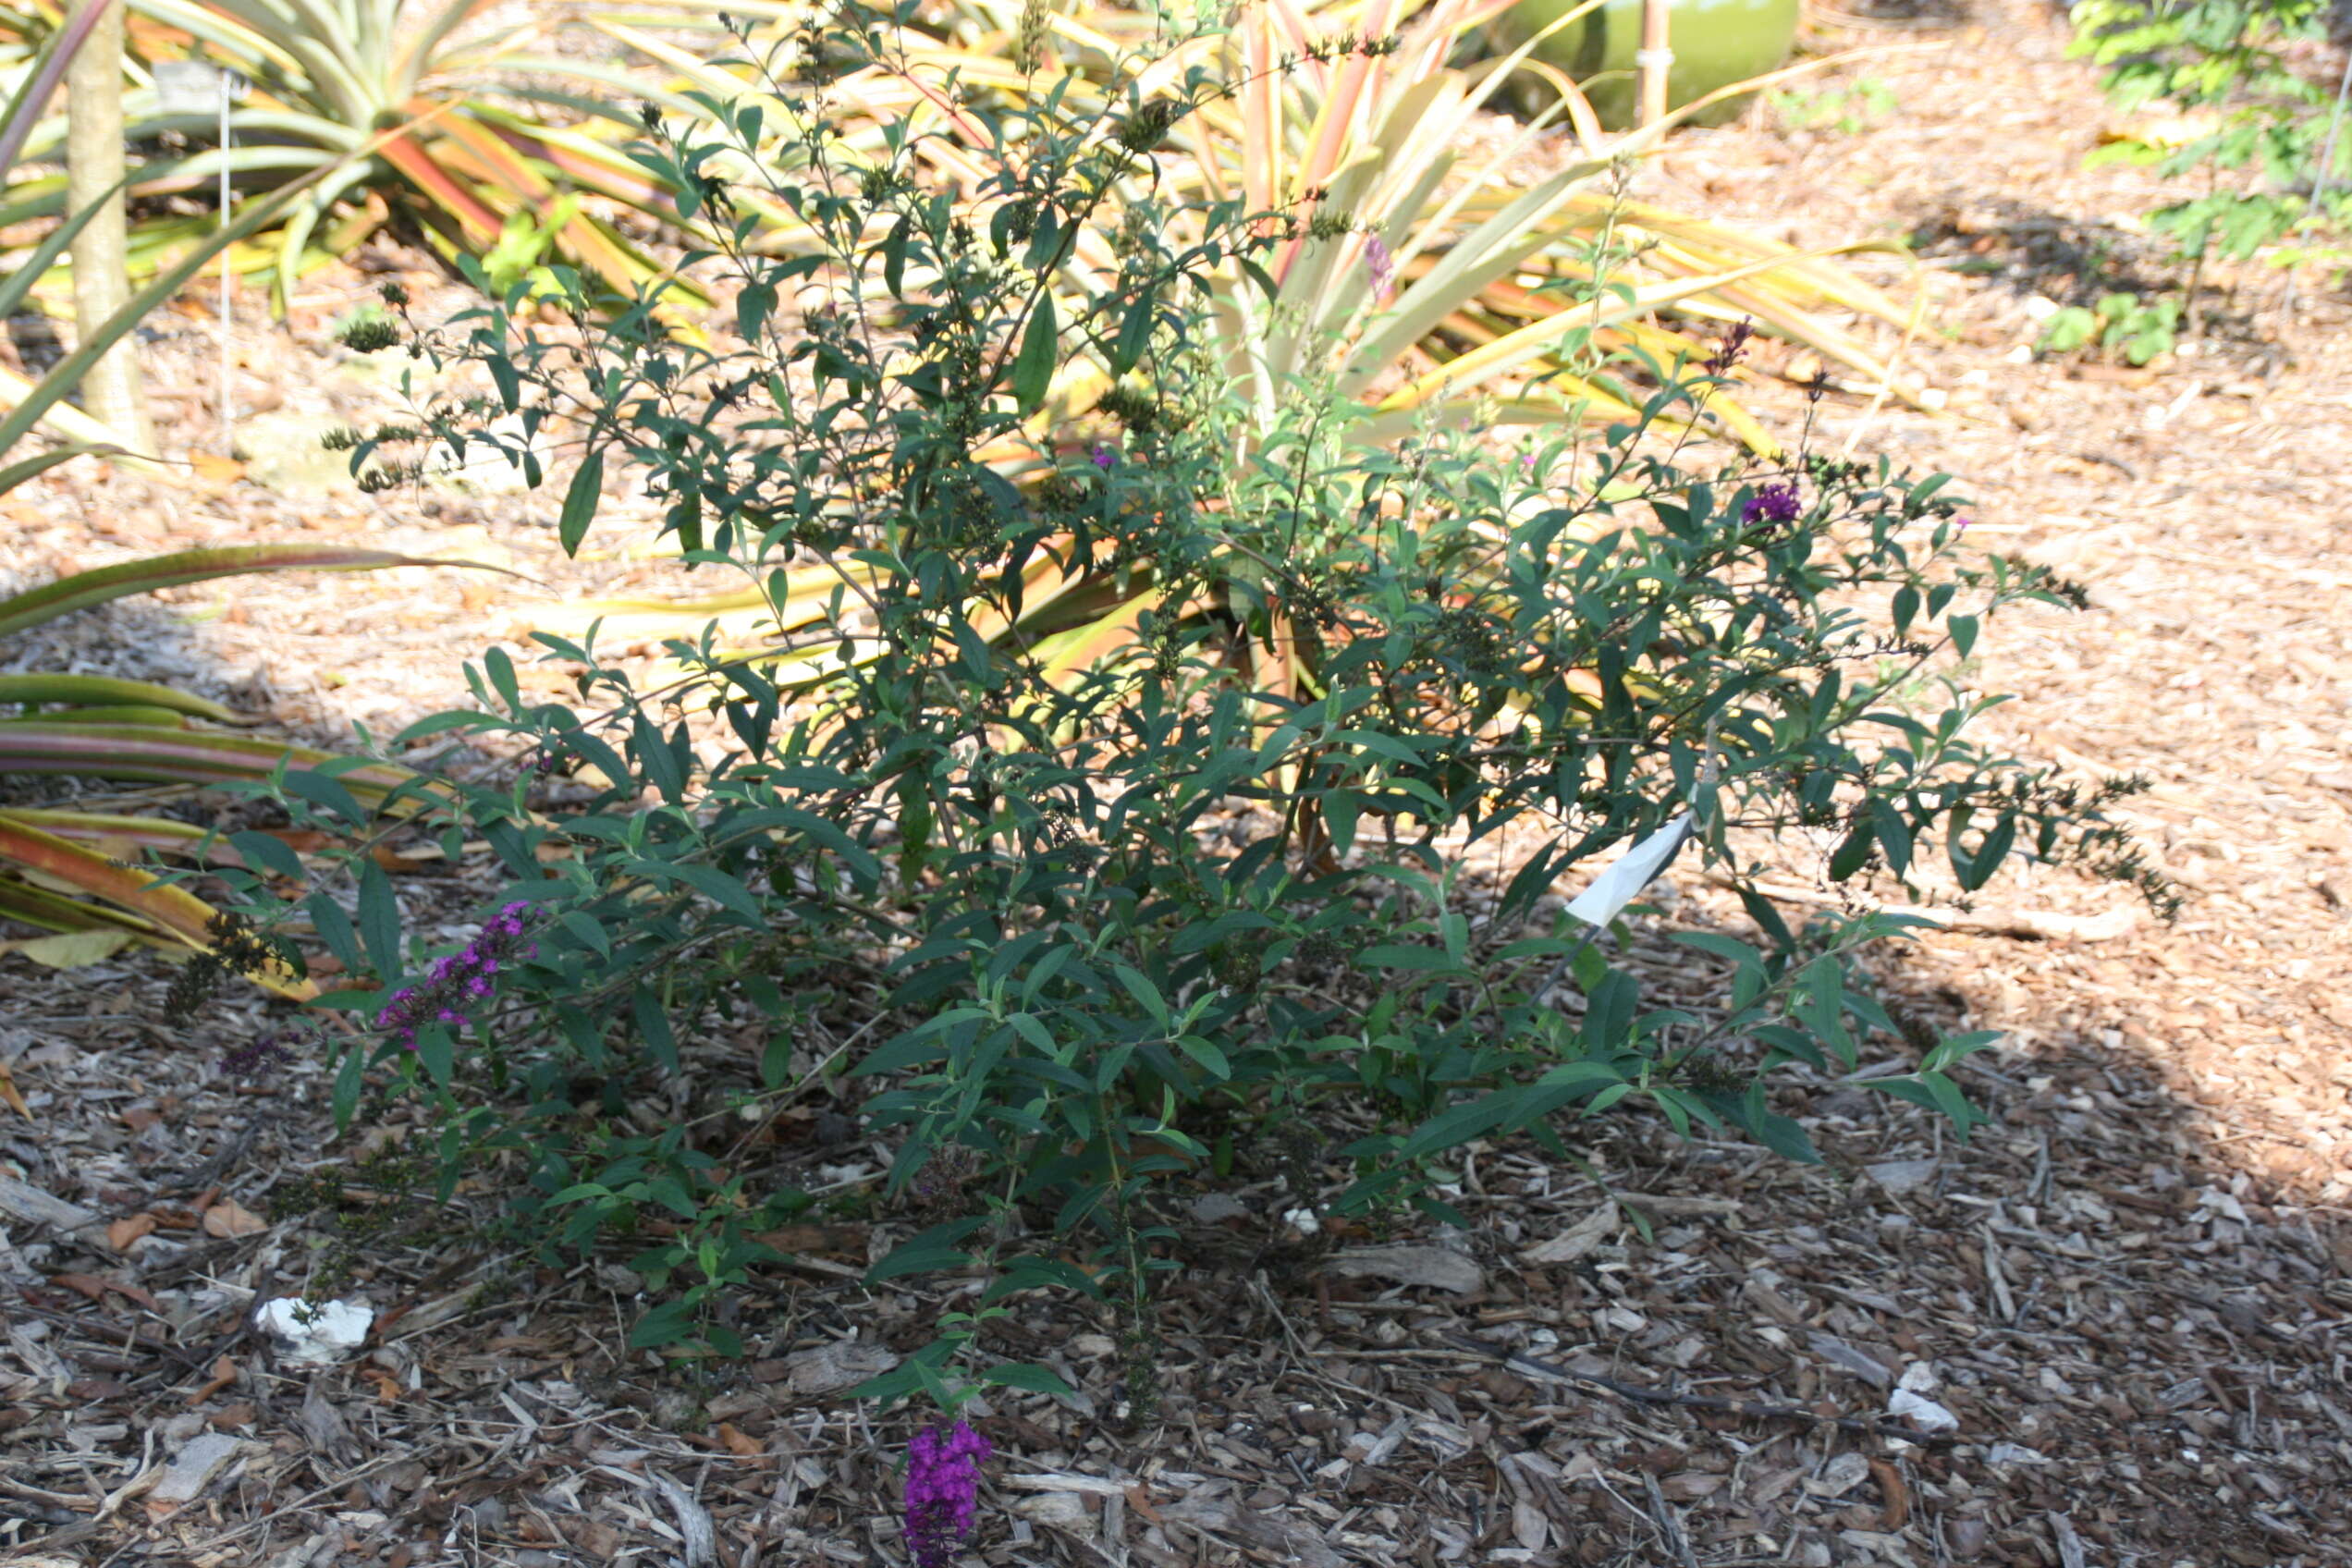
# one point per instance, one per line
(1849, 109)
(2137, 329)
(1011, 820)
(79, 873)
(385, 111)
(2254, 119)
(1482, 296)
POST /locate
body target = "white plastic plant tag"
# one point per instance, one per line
(1630, 871)
(191, 87)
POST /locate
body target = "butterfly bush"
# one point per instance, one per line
(458, 981)
(942, 1491)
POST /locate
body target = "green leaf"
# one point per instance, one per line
(266, 852)
(1032, 369)
(653, 1026)
(1134, 336)
(1401, 955)
(380, 920)
(1146, 995)
(325, 790)
(1851, 854)
(349, 1078)
(665, 1325)
(580, 501)
(1022, 1374)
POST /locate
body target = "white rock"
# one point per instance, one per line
(1899, 1176)
(1921, 1412)
(2039, 308)
(320, 1334)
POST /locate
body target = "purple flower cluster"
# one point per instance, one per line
(1380, 266)
(942, 1491)
(458, 981)
(1777, 502)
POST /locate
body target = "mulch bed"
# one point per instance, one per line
(2129, 1295)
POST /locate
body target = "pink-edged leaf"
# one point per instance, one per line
(169, 757)
(170, 908)
(84, 589)
(99, 691)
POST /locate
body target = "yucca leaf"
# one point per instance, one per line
(23, 901)
(164, 756)
(94, 690)
(171, 908)
(82, 590)
(120, 713)
(124, 838)
(48, 70)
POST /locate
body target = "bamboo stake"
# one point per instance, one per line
(93, 178)
(1653, 60)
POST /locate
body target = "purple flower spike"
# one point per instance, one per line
(942, 1491)
(458, 981)
(1104, 455)
(1775, 503)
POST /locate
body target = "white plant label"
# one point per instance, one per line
(1627, 876)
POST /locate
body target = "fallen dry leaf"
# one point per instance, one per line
(229, 1218)
(1897, 1495)
(224, 1374)
(216, 469)
(89, 1285)
(95, 1288)
(123, 1234)
(9, 1093)
(387, 1387)
(740, 1444)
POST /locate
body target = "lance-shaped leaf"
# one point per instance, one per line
(121, 838)
(171, 910)
(166, 756)
(99, 691)
(85, 589)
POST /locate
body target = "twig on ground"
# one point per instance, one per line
(1519, 1361)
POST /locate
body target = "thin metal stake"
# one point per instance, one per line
(2320, 182)
(227, 409)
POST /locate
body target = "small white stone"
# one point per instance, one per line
(1921, 1412)
(317, 1334)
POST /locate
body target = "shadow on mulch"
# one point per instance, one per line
(2133, 1339)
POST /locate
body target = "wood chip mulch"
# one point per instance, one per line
(2108, 1331)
